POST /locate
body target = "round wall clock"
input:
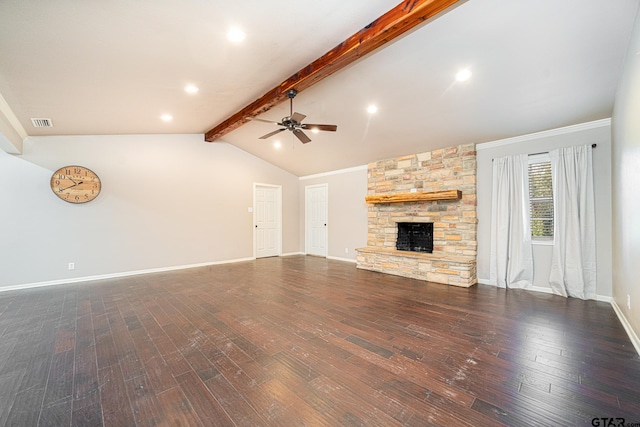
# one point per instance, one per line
(75, 184)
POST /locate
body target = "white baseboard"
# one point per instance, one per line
(533, 288)
(117, 275)
(335, 258)
(627, 327)
(541, 290)
(544, 290)
(292, 253)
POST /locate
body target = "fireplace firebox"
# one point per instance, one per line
(415, 237)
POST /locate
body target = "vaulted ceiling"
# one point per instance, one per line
(96, 67)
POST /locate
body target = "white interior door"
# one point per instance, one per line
(316, 213)
(267, 220)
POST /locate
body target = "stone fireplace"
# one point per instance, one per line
(437, 187)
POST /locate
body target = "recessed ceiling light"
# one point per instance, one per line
(315, 130)
(235, 35)
(277, 144)
(372, 109)
(166, 117)
(191, 89)
(463, 75)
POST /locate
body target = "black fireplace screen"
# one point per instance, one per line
(415, 236)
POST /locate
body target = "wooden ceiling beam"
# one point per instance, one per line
(387, 27)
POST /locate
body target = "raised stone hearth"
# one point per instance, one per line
(448, 269)
(437, 187)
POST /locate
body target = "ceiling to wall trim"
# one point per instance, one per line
(544, 134)
(12, 134)
(336, 172)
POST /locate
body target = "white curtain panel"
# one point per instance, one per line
(573, 262)
(511, 259)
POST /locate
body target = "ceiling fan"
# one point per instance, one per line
(293, 122)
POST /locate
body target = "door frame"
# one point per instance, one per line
(307, 227)
(278, 212)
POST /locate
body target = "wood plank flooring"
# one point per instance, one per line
(299, 341)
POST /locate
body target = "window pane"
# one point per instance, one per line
(542, 228)
(541, 198)
(542, 208)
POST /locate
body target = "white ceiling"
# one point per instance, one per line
(113, 67)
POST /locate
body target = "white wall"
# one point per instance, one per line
(589, 133)
(347, 210)
(166, 200)
(626, 187)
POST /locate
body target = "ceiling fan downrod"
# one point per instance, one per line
(291, 93)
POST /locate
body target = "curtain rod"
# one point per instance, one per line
(546, 152)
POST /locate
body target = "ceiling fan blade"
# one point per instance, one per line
(255, 119)
(271, 133)
(301, 136)
(330, 128)
(297, 117)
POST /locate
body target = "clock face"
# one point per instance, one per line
(75, 184)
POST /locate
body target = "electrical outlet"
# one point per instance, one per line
(346, 250)
(628, 302)
(72, 266)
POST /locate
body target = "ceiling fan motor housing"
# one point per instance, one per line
(288, 123)
(291, 93)
(293, 122)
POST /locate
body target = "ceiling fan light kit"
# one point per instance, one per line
(293, 123)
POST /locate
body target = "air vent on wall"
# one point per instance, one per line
(42, 123)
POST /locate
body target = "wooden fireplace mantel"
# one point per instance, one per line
(415, 197)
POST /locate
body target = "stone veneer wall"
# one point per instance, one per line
(454, 221)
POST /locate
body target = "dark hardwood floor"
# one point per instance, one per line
(307, 341)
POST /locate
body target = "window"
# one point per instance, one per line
(540, 197)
